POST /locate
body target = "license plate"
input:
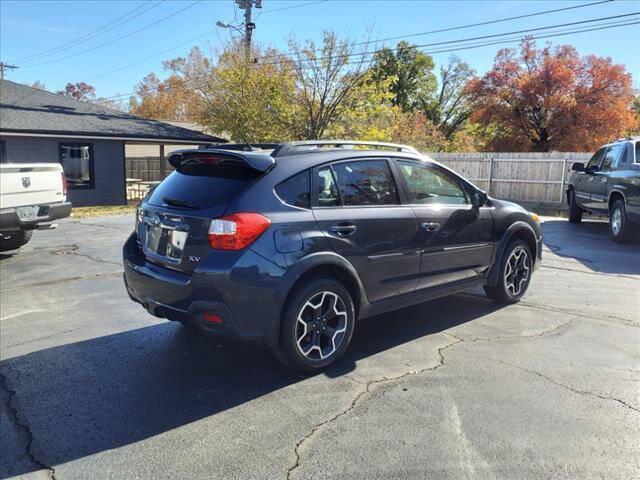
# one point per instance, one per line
(27, 213)
(165, 242)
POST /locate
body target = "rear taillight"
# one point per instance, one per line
(236, 231)
(64, 183)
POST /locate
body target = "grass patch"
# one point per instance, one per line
(84, 212)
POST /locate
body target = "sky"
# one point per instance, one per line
(117, 57)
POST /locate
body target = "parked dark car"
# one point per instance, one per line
(609, 184)
(291, 247)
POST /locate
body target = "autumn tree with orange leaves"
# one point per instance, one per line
(552, 99)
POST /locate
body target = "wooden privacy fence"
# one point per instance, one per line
(522, 177)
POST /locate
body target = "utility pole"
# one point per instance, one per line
(249, 25)
(6, 66)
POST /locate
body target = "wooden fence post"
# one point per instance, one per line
(490, 175)
(564, 173)
(163, 166)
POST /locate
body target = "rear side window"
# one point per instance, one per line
(296, 190)
(203, 186)
(366, 182)
(327, 189)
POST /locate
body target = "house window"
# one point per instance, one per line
(77, 163)
(3, 151)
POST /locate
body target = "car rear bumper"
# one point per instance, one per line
(242, 300)
(10, 220)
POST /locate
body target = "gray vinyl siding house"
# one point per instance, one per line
(87, 139)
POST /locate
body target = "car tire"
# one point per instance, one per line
(14, 240)
(575, 212)
(516, 268)
(620, 228)
(325, 305)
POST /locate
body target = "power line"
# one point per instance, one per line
(481, 44)
(459, 27)
(482, 37)
(208, 32)
(94, 33)
(298, 5)
(119, 38)
(133, 64)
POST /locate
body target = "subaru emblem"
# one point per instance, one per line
(26, 182)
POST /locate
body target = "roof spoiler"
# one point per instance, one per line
(260, 162)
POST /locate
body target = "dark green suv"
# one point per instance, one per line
(609, 183)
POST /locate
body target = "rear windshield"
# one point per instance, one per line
(203, 186)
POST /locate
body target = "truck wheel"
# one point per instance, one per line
(620, 229)
(516, 267)
(317, 326)
(575, 212)
(14, 239)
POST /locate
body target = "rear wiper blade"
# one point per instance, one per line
(179, 203)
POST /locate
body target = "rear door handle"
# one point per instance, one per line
(431, 226)
(343, 230)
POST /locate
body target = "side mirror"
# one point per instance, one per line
(578, 167)
(478, 199)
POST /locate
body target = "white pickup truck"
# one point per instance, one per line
(31, 196)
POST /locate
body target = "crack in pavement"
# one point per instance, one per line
(567, 387)
(86, 224)
(73, 250)
(573, 270)
(544, 333)
(14, 415)
(523, 303)
(356, 400)
(457, 340)
(65, 280)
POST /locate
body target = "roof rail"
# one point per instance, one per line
(293, 148)
(244, 147)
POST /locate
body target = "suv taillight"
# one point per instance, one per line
(236, 231)
(64, 184)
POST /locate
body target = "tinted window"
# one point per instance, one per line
(327, 191)
(429, 184)
(610, 160)
(367, 182)
(597, 157)
(77, 163)
(296, 190)
(203, 186)
(637, 152)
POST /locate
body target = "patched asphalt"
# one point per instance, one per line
(461, 388)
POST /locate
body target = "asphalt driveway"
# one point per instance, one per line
(94, 387)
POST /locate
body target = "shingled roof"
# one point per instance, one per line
(27, 110)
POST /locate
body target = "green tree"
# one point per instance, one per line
(449, 107)
(327, 84)
(412, 71)
(249, 102)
